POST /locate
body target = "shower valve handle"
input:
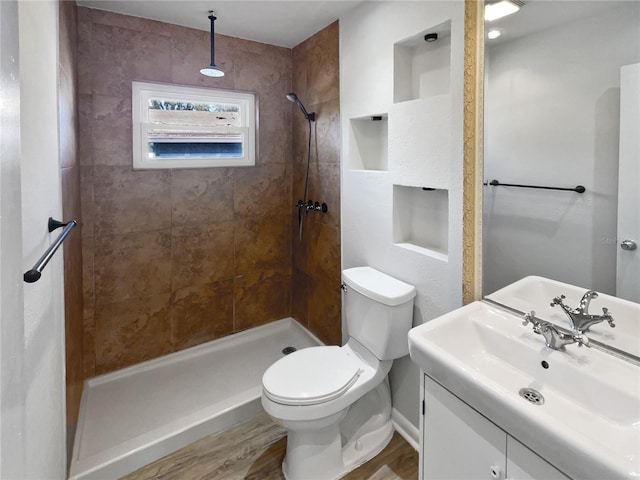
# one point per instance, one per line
(311, 205)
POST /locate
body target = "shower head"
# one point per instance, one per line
(292, 97)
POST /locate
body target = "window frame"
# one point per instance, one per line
(143, 91)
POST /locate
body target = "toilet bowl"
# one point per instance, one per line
(335, 402)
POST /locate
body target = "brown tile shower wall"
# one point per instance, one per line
(316, 297)
(70, 179)
(174, 258)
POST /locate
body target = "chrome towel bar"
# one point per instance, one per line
(35, 273)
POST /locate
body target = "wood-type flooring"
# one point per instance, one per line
(254, 451)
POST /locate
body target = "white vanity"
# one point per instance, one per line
(499, 404)
(460, 443)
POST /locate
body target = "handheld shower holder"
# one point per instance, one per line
(310, 116)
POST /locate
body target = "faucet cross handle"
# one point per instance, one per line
(529, 318)
(607, 316)
(581, 339)
(537, 324)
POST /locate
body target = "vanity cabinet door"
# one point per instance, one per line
(458, 442)
(524, 464)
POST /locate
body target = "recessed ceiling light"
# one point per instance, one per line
(493, 34)
(493, 11)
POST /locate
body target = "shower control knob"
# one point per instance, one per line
(316, 206)
(628, 245)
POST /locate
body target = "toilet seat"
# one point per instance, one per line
(312, 375)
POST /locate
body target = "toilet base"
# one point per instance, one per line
(314, 453)
(366, 448)
(369, 446)
(342, 442)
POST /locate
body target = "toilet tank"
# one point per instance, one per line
(379, 311)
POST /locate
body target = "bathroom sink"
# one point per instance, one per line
(535, 293)
(589, 422)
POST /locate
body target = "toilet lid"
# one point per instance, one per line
(311, 376)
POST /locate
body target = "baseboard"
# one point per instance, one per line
(404, 427)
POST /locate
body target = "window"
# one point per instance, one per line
(192, 127)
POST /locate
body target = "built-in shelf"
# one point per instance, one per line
(421, 220)
(422, 69)
(368, 142)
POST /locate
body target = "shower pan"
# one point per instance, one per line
(136, 415)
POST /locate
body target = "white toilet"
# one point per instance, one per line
(334, 401)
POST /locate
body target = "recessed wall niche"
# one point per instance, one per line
(368, 142)
(422, 69)
(421, 220)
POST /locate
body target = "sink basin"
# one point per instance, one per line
(536, 293)
(589, 423)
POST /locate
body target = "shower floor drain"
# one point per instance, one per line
(288, 350)
(532, 395)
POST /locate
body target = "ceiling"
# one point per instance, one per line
(540, 15)
(287, 23)
(282, 23)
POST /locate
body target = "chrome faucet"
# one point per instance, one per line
(554, 338)
(579, 317)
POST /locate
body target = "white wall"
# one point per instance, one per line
(551, 118)
(32, 417)
(44, 373)
(424, 149)
(12, 460)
